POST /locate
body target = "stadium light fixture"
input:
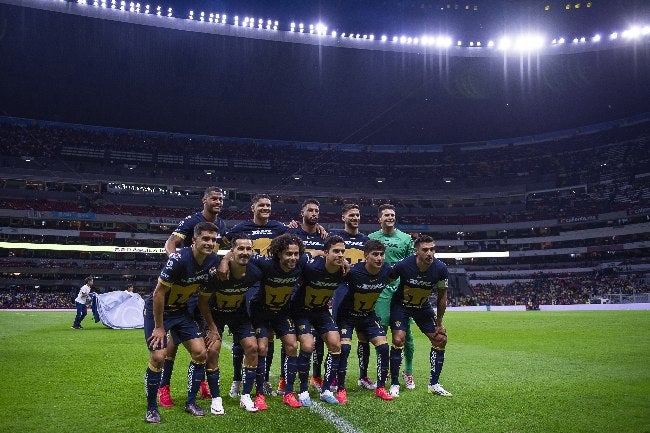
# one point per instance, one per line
(372, 37)
(596, 38)
(459, 43)
(224, 17)
(169, 12)
(333, 33)
(395, 39)
(384, 38)
(490, 44)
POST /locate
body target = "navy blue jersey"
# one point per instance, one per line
(185, 277)
(185, 229)
(228, 296)
(276, 286)
(363, 289)
(317, 286)
(260, 235)
(415, 286)
(313, 241)
(353, 245)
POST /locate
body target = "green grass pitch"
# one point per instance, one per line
(509, 372)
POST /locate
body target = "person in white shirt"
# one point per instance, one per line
(80, 301)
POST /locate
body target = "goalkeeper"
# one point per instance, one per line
(399, 245)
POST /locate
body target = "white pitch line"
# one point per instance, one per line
(341, 425)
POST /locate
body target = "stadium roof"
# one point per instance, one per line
(93, 65)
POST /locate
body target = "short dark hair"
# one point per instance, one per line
(210, 189)
(238, 236)
(349, 206)
(332, 240)
(258, 197)
(282, 242)
(383, 207)
(310, 201)
(422, 239)
(88, 279)
(373, 245)
(205, 226)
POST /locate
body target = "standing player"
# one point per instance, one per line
(261, 230)
(80, 301)
(310, 311)
(182, 237)
(312, 235)
(354, 242)
(185, 272)
(418, 276)
(355, 309)
(223, 303)
(399, 245)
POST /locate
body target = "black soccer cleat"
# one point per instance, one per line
(194, 409)
(152, 416)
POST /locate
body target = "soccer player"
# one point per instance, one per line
(182, 237)
(354, 242)
(312, 235)
(80, 301)
(261, 230)
(223, 303)
(418, 276)
(399, 245)
(310, 311)
(184, 273)
(355, 309)
(269, 308)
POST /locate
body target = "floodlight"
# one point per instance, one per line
(402, 40)
(490, 44)
(596, 38)
(169, 12)
(384, 38)
(333, 33)
(504, 43)
(409, 40)
(561, 41)
(223, 18)
(358, 35)
(471, 43)
(459, 43)
(372, 37)
(576, 40)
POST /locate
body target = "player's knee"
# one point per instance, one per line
(291, 348)
(157, 359)
(398, 340)
(334, 347)
(250, 347)
(200, 356)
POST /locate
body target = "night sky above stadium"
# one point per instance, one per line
(100, 72)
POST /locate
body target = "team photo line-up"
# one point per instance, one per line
(309, 288)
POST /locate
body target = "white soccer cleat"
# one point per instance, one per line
(235, 388)
(438, 389)
(394, 391)
(216, 408)
(247, 403)
(408, 380)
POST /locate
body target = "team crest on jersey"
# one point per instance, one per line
(213, 271)
(301, 327)
(344, 331)
(398, 323)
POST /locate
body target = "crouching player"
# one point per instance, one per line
(184, 274)
(419, 275)
(223, 303)
(354, 307)
(310, 312)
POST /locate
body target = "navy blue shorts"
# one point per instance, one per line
(264, 322)
(369, 325)
(180, 325)
(425, 318)
(317, 322)
(238, 323)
